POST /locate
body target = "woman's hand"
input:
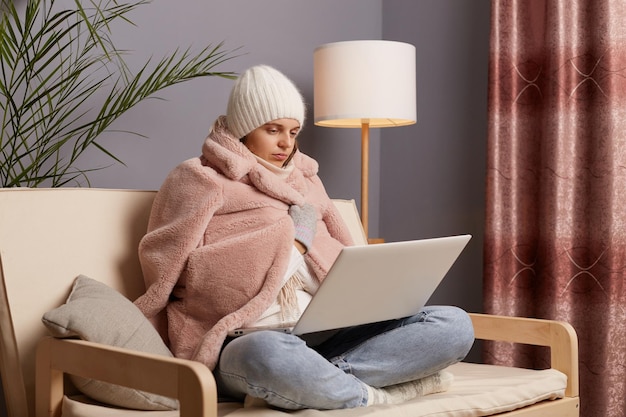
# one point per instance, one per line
(305, 222)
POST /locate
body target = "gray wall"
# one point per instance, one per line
(432, 180)
(425, 180)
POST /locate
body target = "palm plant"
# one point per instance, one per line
(52, 63)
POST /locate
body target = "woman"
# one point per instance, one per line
(242, 236)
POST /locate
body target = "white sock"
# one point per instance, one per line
(396, 394)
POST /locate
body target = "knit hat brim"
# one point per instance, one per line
(262, 94)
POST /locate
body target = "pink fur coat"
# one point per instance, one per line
(219, 241)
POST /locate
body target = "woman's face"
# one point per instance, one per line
(274, 141)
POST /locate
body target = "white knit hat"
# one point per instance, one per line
(260, 95)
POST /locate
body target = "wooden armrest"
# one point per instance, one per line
(558, 335)
(190, 382)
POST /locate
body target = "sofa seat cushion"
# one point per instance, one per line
(477, 390)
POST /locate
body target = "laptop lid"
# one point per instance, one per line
(372, 283)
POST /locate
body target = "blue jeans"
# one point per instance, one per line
(281, 369)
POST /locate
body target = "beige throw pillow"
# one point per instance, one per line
(98, 313)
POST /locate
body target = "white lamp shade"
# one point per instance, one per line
(366, 81)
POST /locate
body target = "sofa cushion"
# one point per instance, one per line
(478, 390)
(97, 313)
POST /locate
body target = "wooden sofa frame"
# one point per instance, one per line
(190, 382)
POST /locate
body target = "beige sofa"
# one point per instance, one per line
(48, 237)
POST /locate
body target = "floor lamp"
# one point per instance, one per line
(364, 84)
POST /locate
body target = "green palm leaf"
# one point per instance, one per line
(52, 64)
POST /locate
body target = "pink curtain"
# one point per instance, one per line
(555, 240)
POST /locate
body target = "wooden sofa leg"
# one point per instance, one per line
(48, 383)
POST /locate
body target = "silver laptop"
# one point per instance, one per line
(373, 283)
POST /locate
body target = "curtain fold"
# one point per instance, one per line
(555, 238)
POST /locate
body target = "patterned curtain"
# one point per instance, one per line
(555, 239)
